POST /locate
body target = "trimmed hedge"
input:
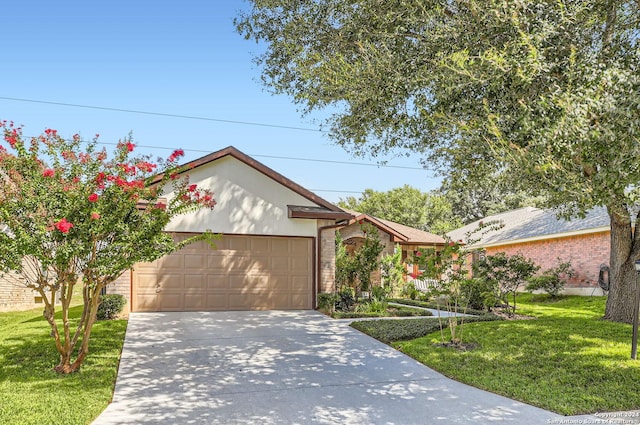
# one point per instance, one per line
(433, 305)
(389, 331)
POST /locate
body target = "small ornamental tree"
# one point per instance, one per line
(508, 273)
(445, 268)
(77, 218)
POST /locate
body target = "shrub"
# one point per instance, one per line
(375, 305)
(552, 281)
(508, 273)
(110, 306)
(479, 294)
(410, 291)
(346, 298)
(327, 301)
(379, 292)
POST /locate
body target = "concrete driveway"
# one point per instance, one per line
(278, 367)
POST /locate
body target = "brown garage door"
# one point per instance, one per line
(243, 273)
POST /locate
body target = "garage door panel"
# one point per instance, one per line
(195, 301)
(217, 301)
(244, 273)
(171, 301)
(217, 282)
(146, 281)
(261, 245)
(195, 261)
(146, 302)
(195, 281)
(169, 262)
(299, 264)
(299, 283)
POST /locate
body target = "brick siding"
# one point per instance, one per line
(122, 286)
(327, 264)
(15, 297)
(586, 253)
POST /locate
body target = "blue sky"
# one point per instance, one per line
(173, 57)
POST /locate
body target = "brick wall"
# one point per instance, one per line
(327, 250)
(14, 296)
(586, 253)
(122, 286)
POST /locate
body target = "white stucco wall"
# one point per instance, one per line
(248, 202)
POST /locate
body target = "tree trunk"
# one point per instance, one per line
(620, 303)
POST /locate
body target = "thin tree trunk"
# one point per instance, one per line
(621, 298)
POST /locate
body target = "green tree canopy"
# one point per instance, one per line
(406, 205)
(547, 92)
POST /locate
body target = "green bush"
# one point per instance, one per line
(110, 306)
(327, 301)
(379, 292)
(375, 305)
(479, 294)
(410, 291)
(346, 298)
(552, 281)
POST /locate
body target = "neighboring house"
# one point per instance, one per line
(13, 295)
(277, 246)
(391, 234)
(541, 236)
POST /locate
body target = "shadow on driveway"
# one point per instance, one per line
(285, 367)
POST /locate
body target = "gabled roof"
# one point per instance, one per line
(274, 175)
(399, 232)
(531, 223)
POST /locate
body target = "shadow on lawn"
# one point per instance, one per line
(28, 353)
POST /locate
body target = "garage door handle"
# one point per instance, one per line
(158, 290)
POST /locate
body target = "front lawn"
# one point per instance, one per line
(32, 393)
(567, 360)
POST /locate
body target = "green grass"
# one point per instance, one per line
(567, 360)
(32, 393)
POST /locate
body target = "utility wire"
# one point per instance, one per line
(329, 161)
(215, 120)
(161, 114)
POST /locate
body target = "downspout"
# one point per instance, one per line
(319, 258)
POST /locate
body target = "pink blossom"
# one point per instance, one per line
(93, 197)
(63, 225)
(48, 172)
(95, 216)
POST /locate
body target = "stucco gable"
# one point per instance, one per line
(250, 199)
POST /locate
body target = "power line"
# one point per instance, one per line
(161, 114)
(329, 161)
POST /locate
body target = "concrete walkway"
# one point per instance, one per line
(294, 367)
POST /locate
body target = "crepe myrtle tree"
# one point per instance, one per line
(76, 217)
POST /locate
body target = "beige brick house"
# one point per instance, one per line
(541, 236)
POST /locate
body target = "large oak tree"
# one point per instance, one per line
(546, 91)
